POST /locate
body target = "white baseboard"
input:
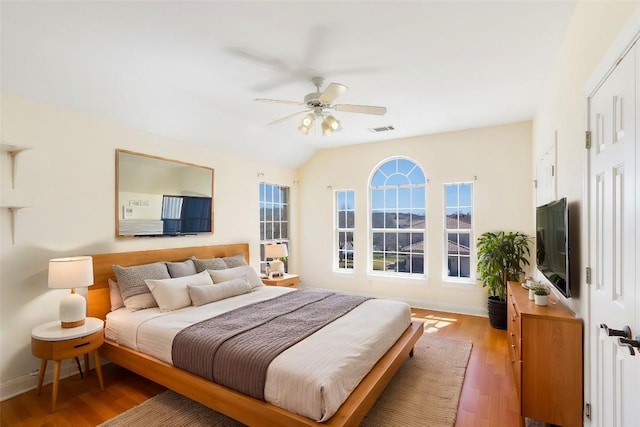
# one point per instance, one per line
(449, 308)
(22, 384)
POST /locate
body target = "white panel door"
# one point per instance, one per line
(613, 252)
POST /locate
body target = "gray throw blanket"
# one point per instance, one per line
(235, 349)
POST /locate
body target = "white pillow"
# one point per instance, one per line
(114, 295)
(201, 295)
(235, 273)
(172, 294)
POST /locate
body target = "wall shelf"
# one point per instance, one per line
(13, 151)
(13, 212)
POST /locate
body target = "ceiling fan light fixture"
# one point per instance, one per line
(304, 129)
(307, 120)
(333, 123)
(326, 129)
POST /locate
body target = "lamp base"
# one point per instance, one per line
(73, 310)
(72, 324)
(277, 268)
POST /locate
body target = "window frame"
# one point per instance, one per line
(338, 230)
(395, 211)
(470, 231)
(283, 203)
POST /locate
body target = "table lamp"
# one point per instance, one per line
(275, 252)
(71, 273)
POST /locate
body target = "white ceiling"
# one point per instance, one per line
(190, 70)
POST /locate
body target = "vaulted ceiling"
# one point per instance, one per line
(191, 70)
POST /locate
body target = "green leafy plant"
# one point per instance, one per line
(502, 257)
(541, 290)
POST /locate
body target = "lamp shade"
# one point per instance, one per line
(72, 272)
(275, 251)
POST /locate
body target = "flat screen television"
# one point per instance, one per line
(552, 244)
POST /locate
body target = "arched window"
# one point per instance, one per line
(398, 217)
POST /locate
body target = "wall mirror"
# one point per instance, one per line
(161, 197)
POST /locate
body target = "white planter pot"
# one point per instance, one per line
(541, 299)
(531, 295)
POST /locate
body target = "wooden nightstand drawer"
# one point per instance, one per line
(67, 349)
(289, 280)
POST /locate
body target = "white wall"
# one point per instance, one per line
(68, 179)
(593, 28)
(497, 159)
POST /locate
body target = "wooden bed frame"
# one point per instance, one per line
(245, 409)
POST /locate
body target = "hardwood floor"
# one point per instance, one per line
(488, 397)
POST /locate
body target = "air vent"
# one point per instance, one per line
(382, 129)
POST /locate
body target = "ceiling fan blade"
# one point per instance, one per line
(261, 58)
(365, 109)
(287, 117)
(332, 91)
(279, 101)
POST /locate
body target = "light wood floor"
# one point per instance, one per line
(488, 396)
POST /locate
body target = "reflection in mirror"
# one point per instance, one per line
(162, 197)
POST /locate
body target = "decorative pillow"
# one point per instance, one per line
(172, 294)
(209, 264)
(114, 295)
(134, 290)
(234, 261)
(235, 273)
(201, 295)
(181, 269)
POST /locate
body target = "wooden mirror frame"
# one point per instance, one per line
(147, 157)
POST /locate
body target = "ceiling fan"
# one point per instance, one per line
(317, 105)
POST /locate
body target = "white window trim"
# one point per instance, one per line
(394, 275)
(459, 281)
(336, 231)
(286, 241)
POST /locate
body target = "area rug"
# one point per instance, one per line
(424, 392)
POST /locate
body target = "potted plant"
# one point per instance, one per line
(502, 257)
(541, 295)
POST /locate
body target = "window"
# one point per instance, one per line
(458, 207)
(398, 217)
(274, 217)
(345, 223)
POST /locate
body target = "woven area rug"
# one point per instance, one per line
(424, 392)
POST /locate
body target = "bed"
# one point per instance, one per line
(246, 409)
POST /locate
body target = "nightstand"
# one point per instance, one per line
(50, 341)
(288, 280)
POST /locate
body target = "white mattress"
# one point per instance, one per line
(312, 378)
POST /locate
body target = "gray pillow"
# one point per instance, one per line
(208, 264)
(244, 271)
(134, 290)
(205, 294)
(181, 269)
(234, 261)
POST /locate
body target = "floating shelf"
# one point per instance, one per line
(13, 151)
(13, 211)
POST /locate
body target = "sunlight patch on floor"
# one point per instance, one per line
(433, 323)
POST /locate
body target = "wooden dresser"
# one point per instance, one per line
(545, 350)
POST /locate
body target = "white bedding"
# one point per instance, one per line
(312, 378)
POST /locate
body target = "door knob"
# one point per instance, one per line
(630, 344)
(625, 332)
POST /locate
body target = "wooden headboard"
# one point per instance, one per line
(98, 302)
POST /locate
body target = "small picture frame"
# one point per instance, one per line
(127, 212)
